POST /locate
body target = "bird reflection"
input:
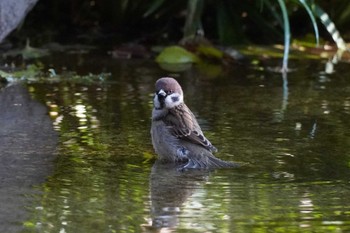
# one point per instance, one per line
(170, 188)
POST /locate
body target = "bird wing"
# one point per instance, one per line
(184, 125)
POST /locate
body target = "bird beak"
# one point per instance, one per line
(161, 93)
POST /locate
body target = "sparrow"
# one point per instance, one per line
(176, 134)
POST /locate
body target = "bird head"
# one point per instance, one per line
(168, 93)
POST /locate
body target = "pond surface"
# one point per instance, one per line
(293, 142)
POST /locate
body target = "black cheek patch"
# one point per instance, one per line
(175, 98)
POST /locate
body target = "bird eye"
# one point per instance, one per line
(175, 98)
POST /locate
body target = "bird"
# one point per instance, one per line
(176, 135)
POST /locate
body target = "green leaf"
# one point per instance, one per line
(176, 55)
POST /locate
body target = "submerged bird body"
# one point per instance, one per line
(176, 134)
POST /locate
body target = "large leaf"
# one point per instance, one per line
(176, 54)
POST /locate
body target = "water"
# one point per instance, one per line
(293, 143)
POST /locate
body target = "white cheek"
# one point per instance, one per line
(170, 103)
(156, 102)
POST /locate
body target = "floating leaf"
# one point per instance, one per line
(176, 55)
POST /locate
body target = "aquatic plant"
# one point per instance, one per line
(230, 14)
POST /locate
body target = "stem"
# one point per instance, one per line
(286, 35)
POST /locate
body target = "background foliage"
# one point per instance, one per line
(160, 21)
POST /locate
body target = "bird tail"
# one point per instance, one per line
(214, 163)
(208, 162)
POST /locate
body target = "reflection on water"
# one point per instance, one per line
(27, 150)
(169, 189)
(294, 144)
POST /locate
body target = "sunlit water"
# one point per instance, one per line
(293, 144)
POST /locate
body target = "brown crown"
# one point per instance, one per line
(168, 84)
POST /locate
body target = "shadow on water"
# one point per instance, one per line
(27, 151)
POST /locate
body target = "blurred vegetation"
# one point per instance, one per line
(225, 22)
(133, 28)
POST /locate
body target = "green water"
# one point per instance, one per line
(293, 142)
